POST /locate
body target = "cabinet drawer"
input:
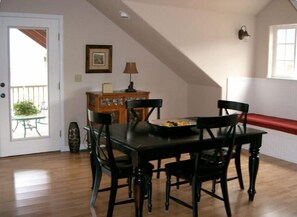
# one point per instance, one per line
(111, 102)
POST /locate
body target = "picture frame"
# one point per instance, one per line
(98, 58)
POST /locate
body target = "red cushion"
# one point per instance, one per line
(281, 124)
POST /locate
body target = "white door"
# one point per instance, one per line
(27, 81)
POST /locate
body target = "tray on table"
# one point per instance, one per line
(172, 126)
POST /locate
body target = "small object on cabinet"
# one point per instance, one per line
(107, 88)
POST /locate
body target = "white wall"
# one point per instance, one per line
(273, 97)
(203, 100)
(276, 13)
(83, 24)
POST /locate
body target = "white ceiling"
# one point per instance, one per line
(249, 7)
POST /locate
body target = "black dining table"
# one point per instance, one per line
(144, 142)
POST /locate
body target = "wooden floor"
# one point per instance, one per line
(58, 184)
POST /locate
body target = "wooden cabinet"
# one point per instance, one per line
(114, 103)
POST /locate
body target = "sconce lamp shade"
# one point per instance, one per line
(130, 68)
(242, 33)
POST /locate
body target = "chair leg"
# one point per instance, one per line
(150, 189)
(93, 163)
(213, 188)
(112, 196)
(130, 187)
(195, 195)
(226, 196)
(238, 166)
(199, 192)
(96, 184)
(158, 168)
(168, 186)
(177, 158)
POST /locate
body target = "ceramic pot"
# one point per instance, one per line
(73, 137)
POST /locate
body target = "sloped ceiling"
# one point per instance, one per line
(148, 37)
(38, 35)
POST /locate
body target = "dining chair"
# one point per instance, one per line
(216, 133)
(241, 109)
(134, 116)
(107, 163)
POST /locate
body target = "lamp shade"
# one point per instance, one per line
(130, 68)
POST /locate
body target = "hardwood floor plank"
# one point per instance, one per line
(59, 184)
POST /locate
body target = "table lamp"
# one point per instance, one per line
(130, 69)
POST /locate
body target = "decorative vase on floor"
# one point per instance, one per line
(73, 137)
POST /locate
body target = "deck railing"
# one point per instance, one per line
(38, 94)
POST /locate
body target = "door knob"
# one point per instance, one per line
(2, 95)
(2, 84)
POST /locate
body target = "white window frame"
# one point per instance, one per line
(272, 53)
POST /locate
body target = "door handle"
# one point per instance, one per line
(2, 95)
(2, 84)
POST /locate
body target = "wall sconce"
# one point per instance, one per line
(130, 69)
(242, 33)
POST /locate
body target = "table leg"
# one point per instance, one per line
(17, 124)
(36, 127)
(24, 124)
(254, 164)
(139, 191)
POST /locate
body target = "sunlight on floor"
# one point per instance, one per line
(31, 184)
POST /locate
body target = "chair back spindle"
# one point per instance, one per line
(151, 104)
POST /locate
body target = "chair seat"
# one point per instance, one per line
(185, 169)
(235, 154)
(124, 158)
(125, 168)
(210, 154)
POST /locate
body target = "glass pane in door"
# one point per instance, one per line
(28, 83)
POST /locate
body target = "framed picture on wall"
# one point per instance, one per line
(98, 58)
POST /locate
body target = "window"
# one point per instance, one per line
(283, 64)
